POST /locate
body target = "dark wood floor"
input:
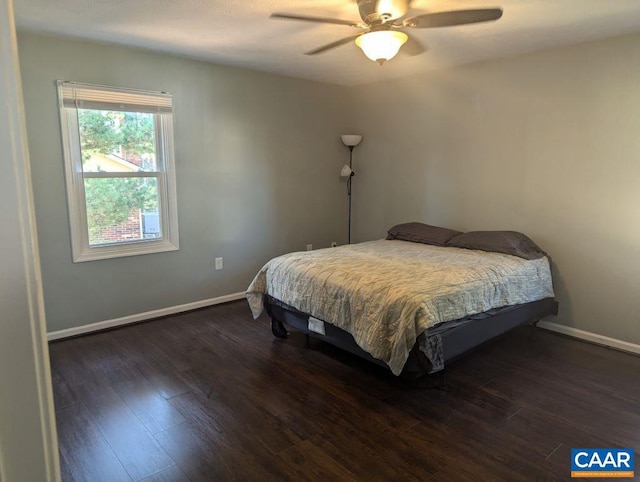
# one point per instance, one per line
(211, 395)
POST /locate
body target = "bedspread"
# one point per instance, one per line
(387, 292)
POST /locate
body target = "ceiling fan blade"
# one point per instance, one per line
(368, 11)
(456, 17)
(413, 47)
(336, 21)
(332, 45)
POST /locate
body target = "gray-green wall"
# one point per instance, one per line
(547, 144)
(258, 158)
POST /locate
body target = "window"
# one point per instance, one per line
(118, 150)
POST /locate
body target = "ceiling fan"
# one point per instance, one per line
(382, 24)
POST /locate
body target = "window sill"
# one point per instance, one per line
(122, 250)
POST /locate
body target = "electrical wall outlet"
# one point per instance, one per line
(219, 264)
(333, 244)
(309, 247)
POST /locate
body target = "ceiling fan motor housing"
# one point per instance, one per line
(375, 12)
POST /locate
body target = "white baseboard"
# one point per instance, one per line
(591, 337)
(147, 315)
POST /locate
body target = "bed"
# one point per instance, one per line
(408, 303)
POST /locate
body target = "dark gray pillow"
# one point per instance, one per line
(507, 242)
(422, 233)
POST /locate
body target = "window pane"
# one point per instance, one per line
(121, 210)
(113, 141)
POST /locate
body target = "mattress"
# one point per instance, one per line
(386, 293)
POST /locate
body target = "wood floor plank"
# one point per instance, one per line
(545, 433)
(63, 395)
(139, 346)
(153, 410)
(312, 463)
(362, 455)
(85, 455)
(573, 404)
(309, 373)
(171, 474)
(167, 383)
(69, 362)
(205, 455)
(196, 452)
(498, 452)
(136, 448)
(239, 421)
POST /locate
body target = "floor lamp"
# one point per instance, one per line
(351, 141)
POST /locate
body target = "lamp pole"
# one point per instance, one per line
(349, 191)
(351, 141)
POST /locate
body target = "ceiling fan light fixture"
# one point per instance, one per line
(382, 45)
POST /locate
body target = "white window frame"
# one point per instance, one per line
(74, 95)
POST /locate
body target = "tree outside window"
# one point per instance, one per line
(118, 207)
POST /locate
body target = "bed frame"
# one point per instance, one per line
(458, 336)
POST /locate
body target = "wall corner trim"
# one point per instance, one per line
(147, 315)
(591, 337)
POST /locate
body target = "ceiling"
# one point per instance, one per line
(240, 32)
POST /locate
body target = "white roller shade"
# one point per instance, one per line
(88, 96)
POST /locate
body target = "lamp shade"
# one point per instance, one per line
(382, 45)
(351, 140)
(346, 171)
